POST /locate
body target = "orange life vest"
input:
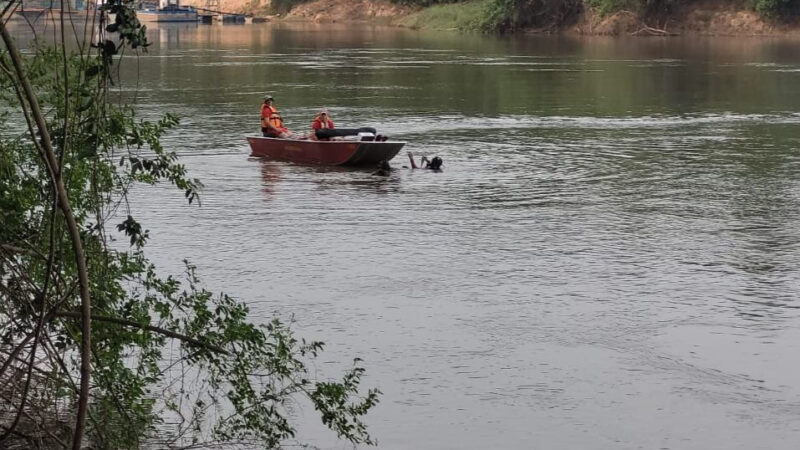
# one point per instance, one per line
(271, 116)
(323, 124)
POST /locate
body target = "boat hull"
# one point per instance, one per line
(326, 153)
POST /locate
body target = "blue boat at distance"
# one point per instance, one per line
(166, 11)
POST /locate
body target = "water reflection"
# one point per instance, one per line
(174, 35)
(335, 180)
(270, 175)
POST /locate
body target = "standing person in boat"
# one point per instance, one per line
(321, 122)
(271, 121)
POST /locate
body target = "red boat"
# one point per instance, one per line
(327, 153)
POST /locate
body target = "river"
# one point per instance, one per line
(609, 259)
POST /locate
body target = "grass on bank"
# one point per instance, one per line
(604, 7)
(466, 16)
(772, 10)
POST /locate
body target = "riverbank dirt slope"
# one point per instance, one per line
(319, 10)
(322, 11)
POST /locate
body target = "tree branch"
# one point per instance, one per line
(159, 330)
(40, 322)
(12, 249)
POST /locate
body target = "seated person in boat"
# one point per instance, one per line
(271, 121)
(322, 129)
(321, 122)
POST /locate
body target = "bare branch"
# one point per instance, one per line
(40, 322)
(12, 249)
(159, 330)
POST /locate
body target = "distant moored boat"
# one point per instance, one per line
(167, 12)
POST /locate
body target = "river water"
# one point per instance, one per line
(609, 259)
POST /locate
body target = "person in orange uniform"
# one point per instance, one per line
(271, 122)
(321, 122)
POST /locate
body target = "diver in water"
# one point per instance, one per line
(434, 164)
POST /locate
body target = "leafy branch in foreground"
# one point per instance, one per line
(95, 347)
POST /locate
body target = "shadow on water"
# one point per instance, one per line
(326, 178)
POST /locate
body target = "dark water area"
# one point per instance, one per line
(609, 259)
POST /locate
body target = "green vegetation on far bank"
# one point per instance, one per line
(468, 16)
(552, 15)
(491, 15)
(549, 15)
(781, 10)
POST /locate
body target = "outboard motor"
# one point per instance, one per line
(328, 133)
(366, 136)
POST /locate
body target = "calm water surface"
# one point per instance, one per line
(608, 261)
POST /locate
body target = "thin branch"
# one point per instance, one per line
(38, 370)
(40, 322)
(23, 105)
(33, 419)
(651, 31)
(65, 137)
(53, 354)
(22, 435)
(50, 314)
(11, 4)
(159, 330)
(12, 249)
(14, 353)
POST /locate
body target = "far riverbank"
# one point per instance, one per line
(580, 17)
